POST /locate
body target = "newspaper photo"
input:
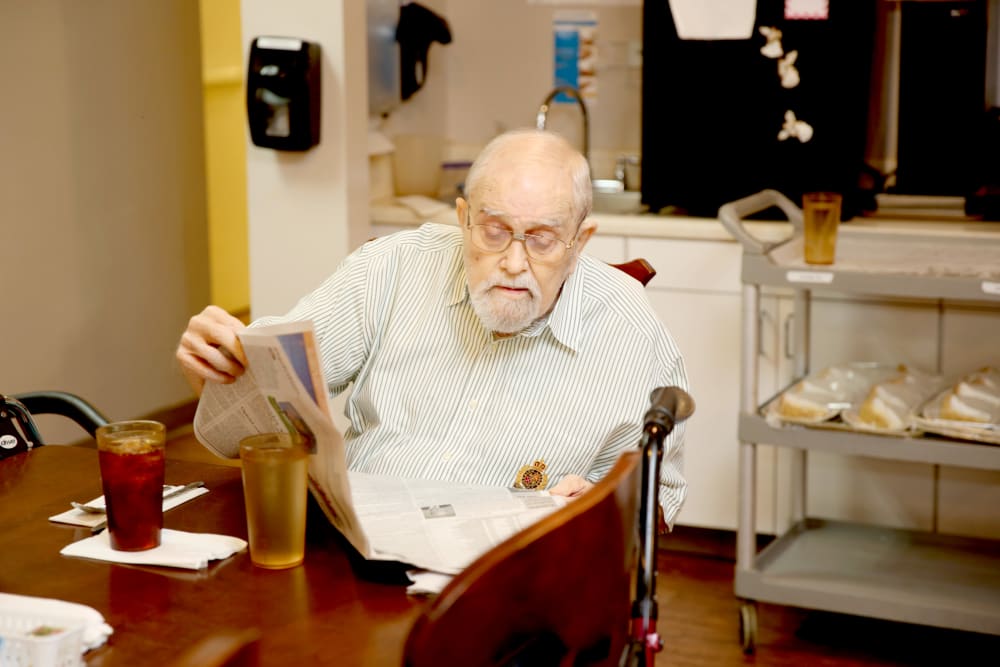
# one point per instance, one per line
(439, 526)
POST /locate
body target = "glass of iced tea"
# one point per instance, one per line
(275, 490)
(132, 459)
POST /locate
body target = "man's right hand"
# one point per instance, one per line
(210, 350)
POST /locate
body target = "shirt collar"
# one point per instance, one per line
(565, 321)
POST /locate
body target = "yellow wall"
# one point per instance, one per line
(225, 153)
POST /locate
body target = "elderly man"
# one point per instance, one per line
(491, 352)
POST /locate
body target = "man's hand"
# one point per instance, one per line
(210, 350)
(571, 486)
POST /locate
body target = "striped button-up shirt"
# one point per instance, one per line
(435, 396)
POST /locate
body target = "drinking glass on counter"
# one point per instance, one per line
(820, 218)
(132, 462)
(275, 491)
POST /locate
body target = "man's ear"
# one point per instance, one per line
(587, 230)
(461, 206)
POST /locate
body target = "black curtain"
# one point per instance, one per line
(712, 111)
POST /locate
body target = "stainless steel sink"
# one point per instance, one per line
(610, 196)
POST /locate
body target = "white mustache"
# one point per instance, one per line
(517, 283)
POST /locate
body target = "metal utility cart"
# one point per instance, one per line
(901, 575)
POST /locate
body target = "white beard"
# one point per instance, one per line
(503, 315)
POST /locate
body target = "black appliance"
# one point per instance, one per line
(283, 93)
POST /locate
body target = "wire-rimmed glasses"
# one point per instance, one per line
(542, 246)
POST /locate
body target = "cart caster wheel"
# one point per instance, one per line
(748, 627)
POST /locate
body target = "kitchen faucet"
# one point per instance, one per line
(543, 112)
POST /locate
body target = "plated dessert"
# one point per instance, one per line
(968, 409)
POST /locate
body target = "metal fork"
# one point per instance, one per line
(93, 509)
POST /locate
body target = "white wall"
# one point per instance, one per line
(101, 199)
(306, 211)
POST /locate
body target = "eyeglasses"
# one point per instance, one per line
(544, 247)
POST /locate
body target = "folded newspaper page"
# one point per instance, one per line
(440, 526)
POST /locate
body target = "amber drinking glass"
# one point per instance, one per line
(820, 218)
(275, 490)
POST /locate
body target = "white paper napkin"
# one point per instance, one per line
(427, 582)
(95, 631)
(77, 517)
(177, 548)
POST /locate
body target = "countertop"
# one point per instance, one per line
(691, 228)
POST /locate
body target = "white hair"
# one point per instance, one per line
(540, 146)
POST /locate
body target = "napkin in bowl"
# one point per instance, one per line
(177, 548)
(77, 517)
(95, 630)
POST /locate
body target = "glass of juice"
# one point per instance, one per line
(132, 460)
(275, 490)
(820, 219)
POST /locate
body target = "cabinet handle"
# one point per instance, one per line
(764, 315)
(789, 352)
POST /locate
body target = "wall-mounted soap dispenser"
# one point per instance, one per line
(283, 93)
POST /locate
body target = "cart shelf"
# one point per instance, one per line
(888, 573)
(892, 265)
(944, 451)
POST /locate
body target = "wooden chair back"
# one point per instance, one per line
(557, 593)
(639, 269)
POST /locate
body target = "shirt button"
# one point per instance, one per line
(473, 404)
(446, 457)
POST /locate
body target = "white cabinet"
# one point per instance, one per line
(709, 342)
(696, 294)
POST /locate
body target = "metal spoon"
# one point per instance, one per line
(93, 509)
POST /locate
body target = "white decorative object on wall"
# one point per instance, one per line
(714, 19)
(793, 127)
(787, 71)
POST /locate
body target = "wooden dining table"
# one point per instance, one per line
(334, 609)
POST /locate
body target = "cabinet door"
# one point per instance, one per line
(610, 249)
(707, 329)
(784, 373)
(696, 293)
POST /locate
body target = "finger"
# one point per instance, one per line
(201, 368)
(197, 372)
(198, 354)
(570, 486)
(225, 329)
(215, 328)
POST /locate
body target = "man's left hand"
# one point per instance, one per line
(571, 486)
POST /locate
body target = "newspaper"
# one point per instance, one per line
(439, 526)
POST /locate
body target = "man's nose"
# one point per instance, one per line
(515, 257)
